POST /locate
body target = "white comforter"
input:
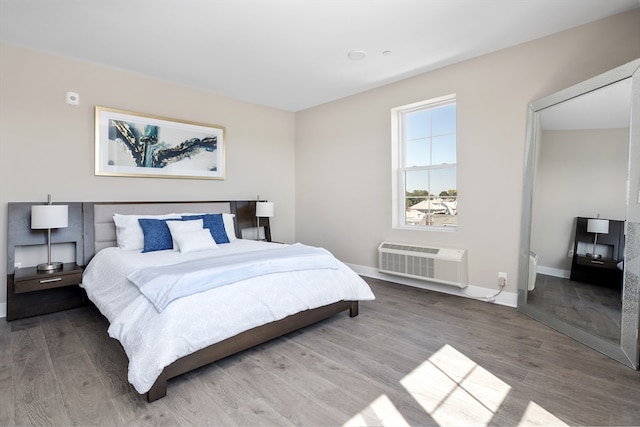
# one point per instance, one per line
(154, 340)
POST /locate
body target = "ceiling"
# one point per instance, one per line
(287, 54)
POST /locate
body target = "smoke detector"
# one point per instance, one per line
(357, 55)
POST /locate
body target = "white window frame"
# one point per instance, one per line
(397, 163)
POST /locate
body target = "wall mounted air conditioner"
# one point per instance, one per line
(441, 265)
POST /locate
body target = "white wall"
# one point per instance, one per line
(47, 146)
(343, 149)
(579, 173)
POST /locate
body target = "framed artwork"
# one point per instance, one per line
(133, 144)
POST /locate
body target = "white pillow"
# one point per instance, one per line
(229, 227)
(129, 236)
(194, 241)
(179, 227)
(227, 219)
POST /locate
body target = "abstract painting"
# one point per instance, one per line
(133, 144)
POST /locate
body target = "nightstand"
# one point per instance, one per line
(32, 292)
(600, 271)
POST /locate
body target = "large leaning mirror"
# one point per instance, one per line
(580, 241)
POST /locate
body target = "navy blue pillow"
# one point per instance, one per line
(214, 223)
(157, 236)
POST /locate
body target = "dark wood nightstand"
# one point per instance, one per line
(31, 293)
(600, 271)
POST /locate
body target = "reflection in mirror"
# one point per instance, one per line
(581, 172)
(578, 179)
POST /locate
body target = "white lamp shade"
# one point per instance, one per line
(264, 209)
(49, 216)
(600, 226)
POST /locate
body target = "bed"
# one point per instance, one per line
(166, 333)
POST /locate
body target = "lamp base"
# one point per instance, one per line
(50, 266)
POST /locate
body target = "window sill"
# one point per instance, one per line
(446, 228)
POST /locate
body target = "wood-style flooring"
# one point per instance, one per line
(595, 308)
(412, 357)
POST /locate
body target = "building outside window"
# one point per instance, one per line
(425, 168)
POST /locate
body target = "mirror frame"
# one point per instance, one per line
(628, 349)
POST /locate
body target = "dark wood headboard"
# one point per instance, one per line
(91, 226)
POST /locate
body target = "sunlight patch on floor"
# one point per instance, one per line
(455, 390)
(381, 412)
(535, 415)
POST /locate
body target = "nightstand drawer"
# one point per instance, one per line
(597, 262)
(29, 280)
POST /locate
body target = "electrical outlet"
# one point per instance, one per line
(502, 279)
(570, 254)
(17, 265)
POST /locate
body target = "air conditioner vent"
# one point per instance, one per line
(442, 265)
(407, 248)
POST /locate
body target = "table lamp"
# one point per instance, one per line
(47, 217)
(263, 210)
(597, 226)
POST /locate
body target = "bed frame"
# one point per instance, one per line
(246, 340)
(99, 233)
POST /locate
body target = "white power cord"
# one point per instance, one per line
(491, 298)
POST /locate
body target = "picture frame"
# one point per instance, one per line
(141, 145)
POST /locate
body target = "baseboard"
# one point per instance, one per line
(508, 299)
(555, 272)
(3, 310)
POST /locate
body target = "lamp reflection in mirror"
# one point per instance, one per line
(263, 210)
(597, 226)
(47, 217)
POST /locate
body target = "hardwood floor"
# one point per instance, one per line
(594, 308)
(412, 357)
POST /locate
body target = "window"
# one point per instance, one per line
(425, 169)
